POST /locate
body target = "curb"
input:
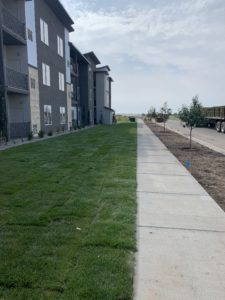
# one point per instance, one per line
(203, 143)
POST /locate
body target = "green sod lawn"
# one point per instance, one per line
(67, 216)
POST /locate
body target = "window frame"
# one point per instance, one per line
(29, 35)
(60, 47)
(32, 83)
(46, 75)
(62, 113)
(47, 115)
(44, 32)
(61, 82)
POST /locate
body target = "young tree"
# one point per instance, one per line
(152, 113)
(193, 115)
(165, 113)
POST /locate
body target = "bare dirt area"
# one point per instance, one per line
(207, 166)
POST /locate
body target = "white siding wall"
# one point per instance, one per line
(30, 24)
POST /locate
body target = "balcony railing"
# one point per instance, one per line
(13, 24)
(76, 95)
(74, 68)
(16, 80)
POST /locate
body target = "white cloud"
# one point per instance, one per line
(170, 51)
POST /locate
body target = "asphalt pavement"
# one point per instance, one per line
(208, 137)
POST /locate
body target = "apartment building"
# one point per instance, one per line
(46, 83)
(90, 87)
(79, 78)
(48, 27)
(104, 111)
(14, 90)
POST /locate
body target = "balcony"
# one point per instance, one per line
(14, 31)
(75, 96)
(16, 82)
(74, 69)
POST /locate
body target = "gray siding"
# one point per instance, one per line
(49, 55)
(3, 115)
(91, 75)
(84, 97)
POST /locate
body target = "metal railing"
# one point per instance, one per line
(16, 79)
(13, 24)
(74, 68)
(19, 130)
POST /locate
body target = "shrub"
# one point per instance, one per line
(159, 118)
(50, 133)
(132, 119)
(41, 134)
(30, 136)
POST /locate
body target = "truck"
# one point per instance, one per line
(215, 117)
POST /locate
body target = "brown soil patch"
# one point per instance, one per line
(207, 166)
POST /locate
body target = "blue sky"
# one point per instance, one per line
(158, 50)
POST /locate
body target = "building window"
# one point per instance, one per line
(32, 83)
(30, 35)
(46, 74)
(60, 46)
(72, 91)
(61, 82)
(44, 32)
(62, 115)
(68, 64)
(48, 114)
(35, 129)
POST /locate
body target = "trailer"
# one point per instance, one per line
(215, 117)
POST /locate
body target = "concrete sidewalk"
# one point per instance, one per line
(181, 230)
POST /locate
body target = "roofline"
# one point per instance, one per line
(102, 71)
(74, 48)
(104, 67)
(60, 11)
(93, 57)
(109, 108)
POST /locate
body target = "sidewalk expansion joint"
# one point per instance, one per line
(183, 229)
(161, 155)
(159, 163)
(169, 193)
(154, 149)
(159, 174)
(208, 198)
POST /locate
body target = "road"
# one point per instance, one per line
(205, 136)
